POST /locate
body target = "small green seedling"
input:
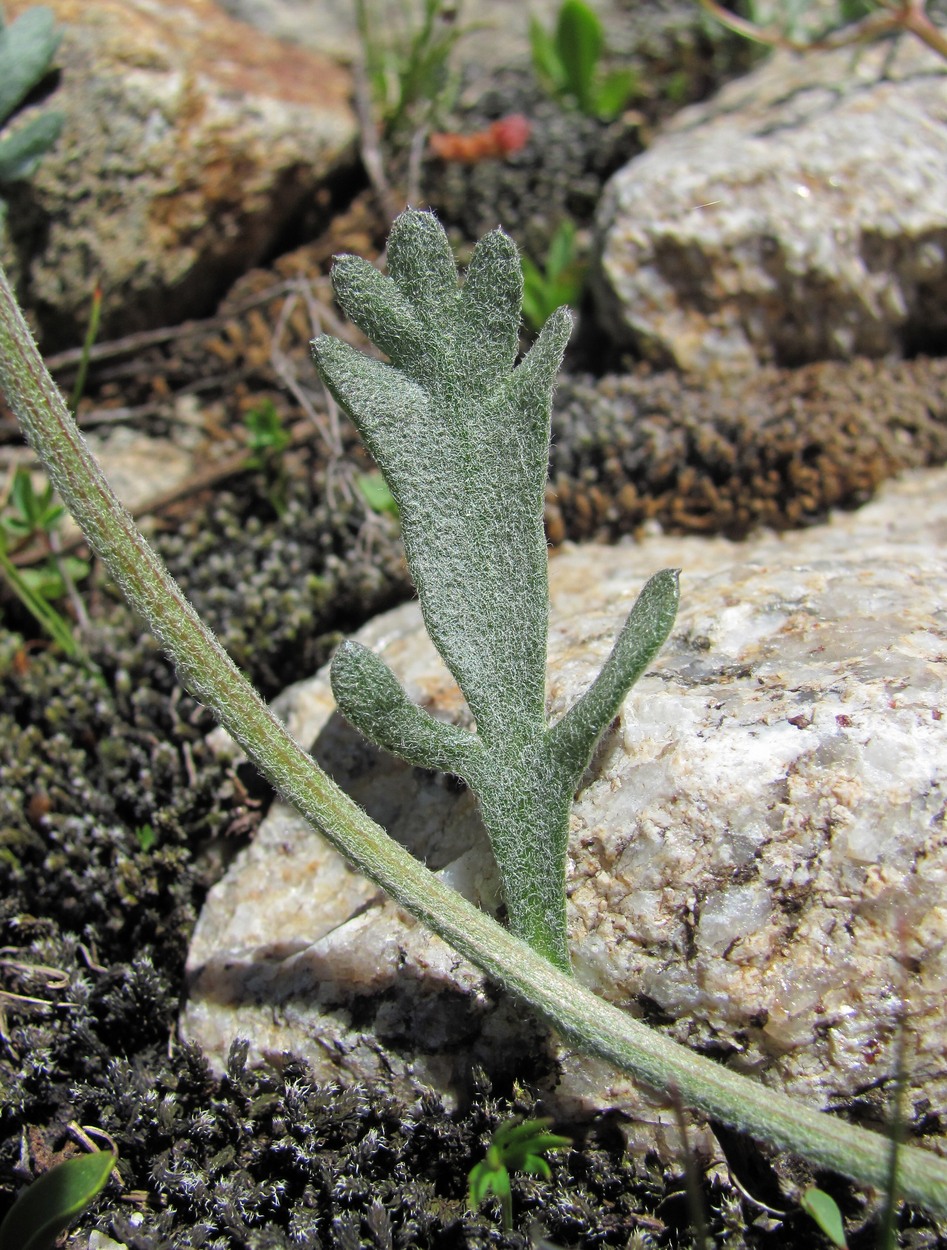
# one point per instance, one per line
(566, 62)
(48, 1206)
(559, 282)
(266, 434)
(146, 837)
(374, 490)
(406, 51)
(462, 439)
(27, 48)
(31, 514)
(514, 1148)
(268, 438)
(824, 1210)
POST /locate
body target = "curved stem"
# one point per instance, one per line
(206, 669)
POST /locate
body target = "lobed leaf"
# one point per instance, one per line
(461, 435)
(372, 699)
(380, 310)
(644, 633)
(421, 263)
(490, 309)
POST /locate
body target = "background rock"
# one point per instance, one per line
(798, 215)
(757, 858)
(192, 143)
(499, 34)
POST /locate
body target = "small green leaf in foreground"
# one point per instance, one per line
(48, 1206)
(515, 1147)
(824, 1210)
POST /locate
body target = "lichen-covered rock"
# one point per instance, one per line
(798, 215)
(758, 859)
(191, 142)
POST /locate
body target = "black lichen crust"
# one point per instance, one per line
(107, 786)
(277, 586)
(267, 1158)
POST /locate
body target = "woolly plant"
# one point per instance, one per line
(203, 667)
(461, 435)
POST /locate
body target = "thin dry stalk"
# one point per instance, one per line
(894, 18)
(370, 147)
(286, 372)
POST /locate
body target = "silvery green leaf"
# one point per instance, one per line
(27, 48)
(460, 432)
(23, 145)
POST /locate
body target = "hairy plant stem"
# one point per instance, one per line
(207, 671)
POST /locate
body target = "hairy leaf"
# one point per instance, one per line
(460, 431)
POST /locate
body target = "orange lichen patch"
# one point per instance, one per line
(501, 138)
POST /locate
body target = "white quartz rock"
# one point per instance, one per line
(758, 859)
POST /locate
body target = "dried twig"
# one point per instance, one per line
(287, 374)
(164, 334)
(370, 147)
(896, 16)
